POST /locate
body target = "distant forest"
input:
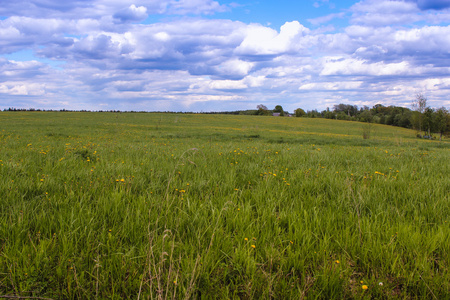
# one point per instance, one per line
(429, 122)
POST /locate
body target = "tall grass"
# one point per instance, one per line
(170, 206)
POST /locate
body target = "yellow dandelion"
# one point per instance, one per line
(365, 287)
(253, 246)
(246, 239)
(337, 261)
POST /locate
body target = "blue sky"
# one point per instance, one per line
(276, 13)
(212, 55)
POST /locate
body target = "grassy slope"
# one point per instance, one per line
(101, 205)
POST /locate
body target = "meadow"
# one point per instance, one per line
(183, 206)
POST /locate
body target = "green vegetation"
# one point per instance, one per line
(425, 120)
(139, 206)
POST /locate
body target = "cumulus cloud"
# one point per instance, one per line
(227, 85)
(21, 70)
(425, 45)
(22, 89)
(20, 32)
(326, 19)
(234, 68)
(360, 67)
(260, 40)
(184, 7)
(125, 10)
(384, 12)
(390, 12)
(132, 14)
(332, 86)
(195, 63)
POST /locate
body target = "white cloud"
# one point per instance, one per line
(326, 19)
(359, 31)
(227, 85)
(162, 36)
(184, 7)
(386, 6)
(429, 38)
(234, 68)
(333, 66)
(332, 86)
(125, 9)
(132, 14)
(185, 62)
(384, 12)
(254, 81)
(22, 88)
(262, 40)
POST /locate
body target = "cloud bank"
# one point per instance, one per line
(179, 56)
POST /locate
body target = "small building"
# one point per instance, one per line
(286, 114)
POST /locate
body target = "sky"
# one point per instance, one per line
(206, 55)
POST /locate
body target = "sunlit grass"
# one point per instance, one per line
(103, 205)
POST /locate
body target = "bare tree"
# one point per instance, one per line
(261, 107)
(262, 110)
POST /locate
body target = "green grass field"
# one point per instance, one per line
(181, 206)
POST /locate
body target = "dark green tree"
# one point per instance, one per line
(428, 121)
(442, 121)
(366, 116)
(279, 109)
(300, 113)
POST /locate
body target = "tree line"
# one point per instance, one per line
(427, 121)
